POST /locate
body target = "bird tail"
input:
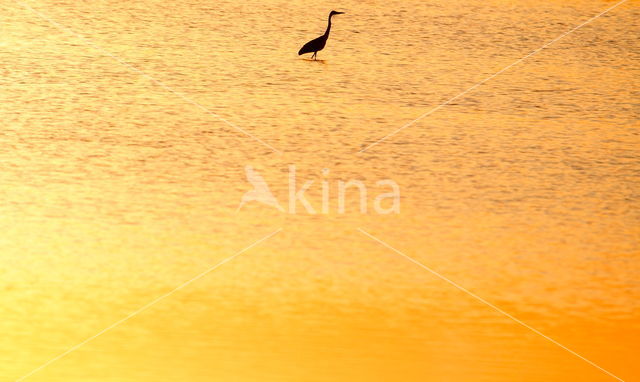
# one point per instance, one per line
(305, 49)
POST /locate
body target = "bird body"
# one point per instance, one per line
(317, 44)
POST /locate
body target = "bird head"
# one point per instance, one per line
(335, 13)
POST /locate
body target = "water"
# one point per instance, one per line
(116, 190)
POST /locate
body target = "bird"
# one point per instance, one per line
(317, 44)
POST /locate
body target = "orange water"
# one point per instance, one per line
(115, 191)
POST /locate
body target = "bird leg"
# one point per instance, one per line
(314, 55)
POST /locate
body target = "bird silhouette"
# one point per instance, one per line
(317, 44)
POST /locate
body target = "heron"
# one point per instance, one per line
(317, 44)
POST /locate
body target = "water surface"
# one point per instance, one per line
(116, 190)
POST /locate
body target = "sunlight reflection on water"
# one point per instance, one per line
(116, 191)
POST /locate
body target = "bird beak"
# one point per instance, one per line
(339, 13)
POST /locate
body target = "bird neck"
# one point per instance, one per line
(326, 33)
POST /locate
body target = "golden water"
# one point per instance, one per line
(115, 191)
